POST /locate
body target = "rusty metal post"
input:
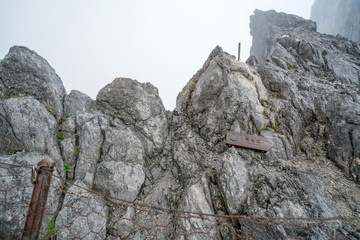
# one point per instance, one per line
(43, 172)
(239, 48)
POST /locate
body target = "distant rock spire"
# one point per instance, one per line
(338, 17)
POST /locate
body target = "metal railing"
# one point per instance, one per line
(15, 227)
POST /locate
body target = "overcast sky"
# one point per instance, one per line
(89, 43)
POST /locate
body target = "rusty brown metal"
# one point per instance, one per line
(248, 141)
(37, 205)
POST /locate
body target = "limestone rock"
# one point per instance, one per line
(315, 78)
(139, 105)
(84, 215)
(77, 102)
(197, 199)
(224, 95)
(119, 180)
(25, 124)
(25, 73)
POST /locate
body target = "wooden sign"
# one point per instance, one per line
(248, 141)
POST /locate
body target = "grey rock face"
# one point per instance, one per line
(264, 24)
(25, 73)
(309, 74)
(90, 143)
(197, 199)
(77, 102)
(224, 94)
(25, 124)
(337, 17)
(234, 181)
(120, 180)
(137, 104)
(88, 221)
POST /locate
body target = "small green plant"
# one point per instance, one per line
(111, 216)
(296, 153)
(265, 101)
(111, 229)
(6, 96)
(260, 131)
(139, 197)
(214, 177)
(60, 136)
(50, 110)
(222, 200)
(67, 167)
(66, 188)
(51, 231)
(310, 170)
(64, 118)
(76, 151)
(266, 115)
(177, 203)
(276, 129)
(192, 87)
(261, 181)
(302, 147)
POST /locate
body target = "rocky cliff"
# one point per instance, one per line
(338, 17)
(136, 171)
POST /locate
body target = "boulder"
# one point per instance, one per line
(25, 124)
(139, 105)
(77, 102)
(25, 73)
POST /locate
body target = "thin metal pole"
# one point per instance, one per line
(43, 172)
(239, 48)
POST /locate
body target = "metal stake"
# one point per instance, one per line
(43, 174)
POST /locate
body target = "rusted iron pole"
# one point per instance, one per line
(43, 172)
(239, 48)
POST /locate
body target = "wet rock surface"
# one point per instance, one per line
(124, 152)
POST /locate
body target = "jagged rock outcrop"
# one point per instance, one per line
(337, 17)
(26, 125)
(77, 102)
(24, 73)
(124, 153)
(139, 105)
(319, 76)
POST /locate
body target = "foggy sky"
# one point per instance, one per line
(89, 42)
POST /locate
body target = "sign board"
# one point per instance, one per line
(248, 141)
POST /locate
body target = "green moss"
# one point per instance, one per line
(76, 151)
(60, 136)
(50, 110)
(192, 87)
